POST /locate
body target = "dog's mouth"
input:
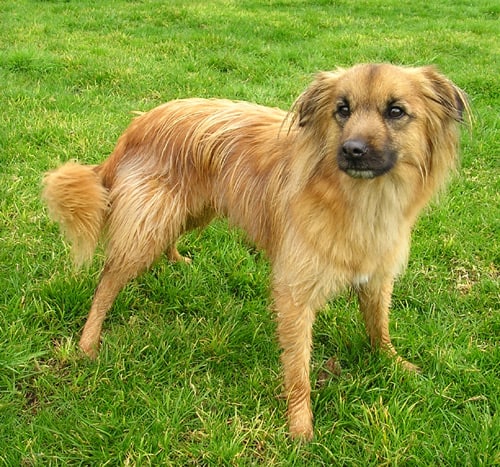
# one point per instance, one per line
(365, 172)
(354, 173)
(360, 160)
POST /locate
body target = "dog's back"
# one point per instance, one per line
(205, 157)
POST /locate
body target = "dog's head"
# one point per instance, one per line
(373, 117)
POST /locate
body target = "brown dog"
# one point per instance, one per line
(330, 191)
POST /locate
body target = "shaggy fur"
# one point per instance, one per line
(330, 191)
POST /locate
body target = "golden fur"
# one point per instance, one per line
(330, 191)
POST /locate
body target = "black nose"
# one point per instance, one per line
(354, 148)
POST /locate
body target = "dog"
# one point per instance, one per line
(330, 190)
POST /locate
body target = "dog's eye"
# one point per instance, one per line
(395, 112)
(343, 110)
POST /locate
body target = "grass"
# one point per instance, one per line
(189, 371)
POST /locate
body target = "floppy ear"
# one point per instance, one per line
(450, 97)
(315, 98)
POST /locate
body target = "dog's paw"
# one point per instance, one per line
(408, 366)
(90, 349)
(175, 257)
(185, 259)
(405, 364)
(302, 432)
(300, 425)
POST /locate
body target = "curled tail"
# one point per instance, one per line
(77, 200)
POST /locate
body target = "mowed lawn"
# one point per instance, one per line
(189, 370)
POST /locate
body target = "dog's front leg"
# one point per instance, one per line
(374, 301)
(295, 337)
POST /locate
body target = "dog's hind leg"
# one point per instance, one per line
(174, 256)
(141, 225)
(115, 275)
(111, 282)
(200, 220)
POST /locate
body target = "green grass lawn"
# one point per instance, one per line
(189, 370)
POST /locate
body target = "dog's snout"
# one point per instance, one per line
(355, 148)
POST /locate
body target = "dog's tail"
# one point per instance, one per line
(77, 200)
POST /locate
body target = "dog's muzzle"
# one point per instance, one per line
(360, 160)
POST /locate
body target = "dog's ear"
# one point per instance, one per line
(315, 98)
(450, 97)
